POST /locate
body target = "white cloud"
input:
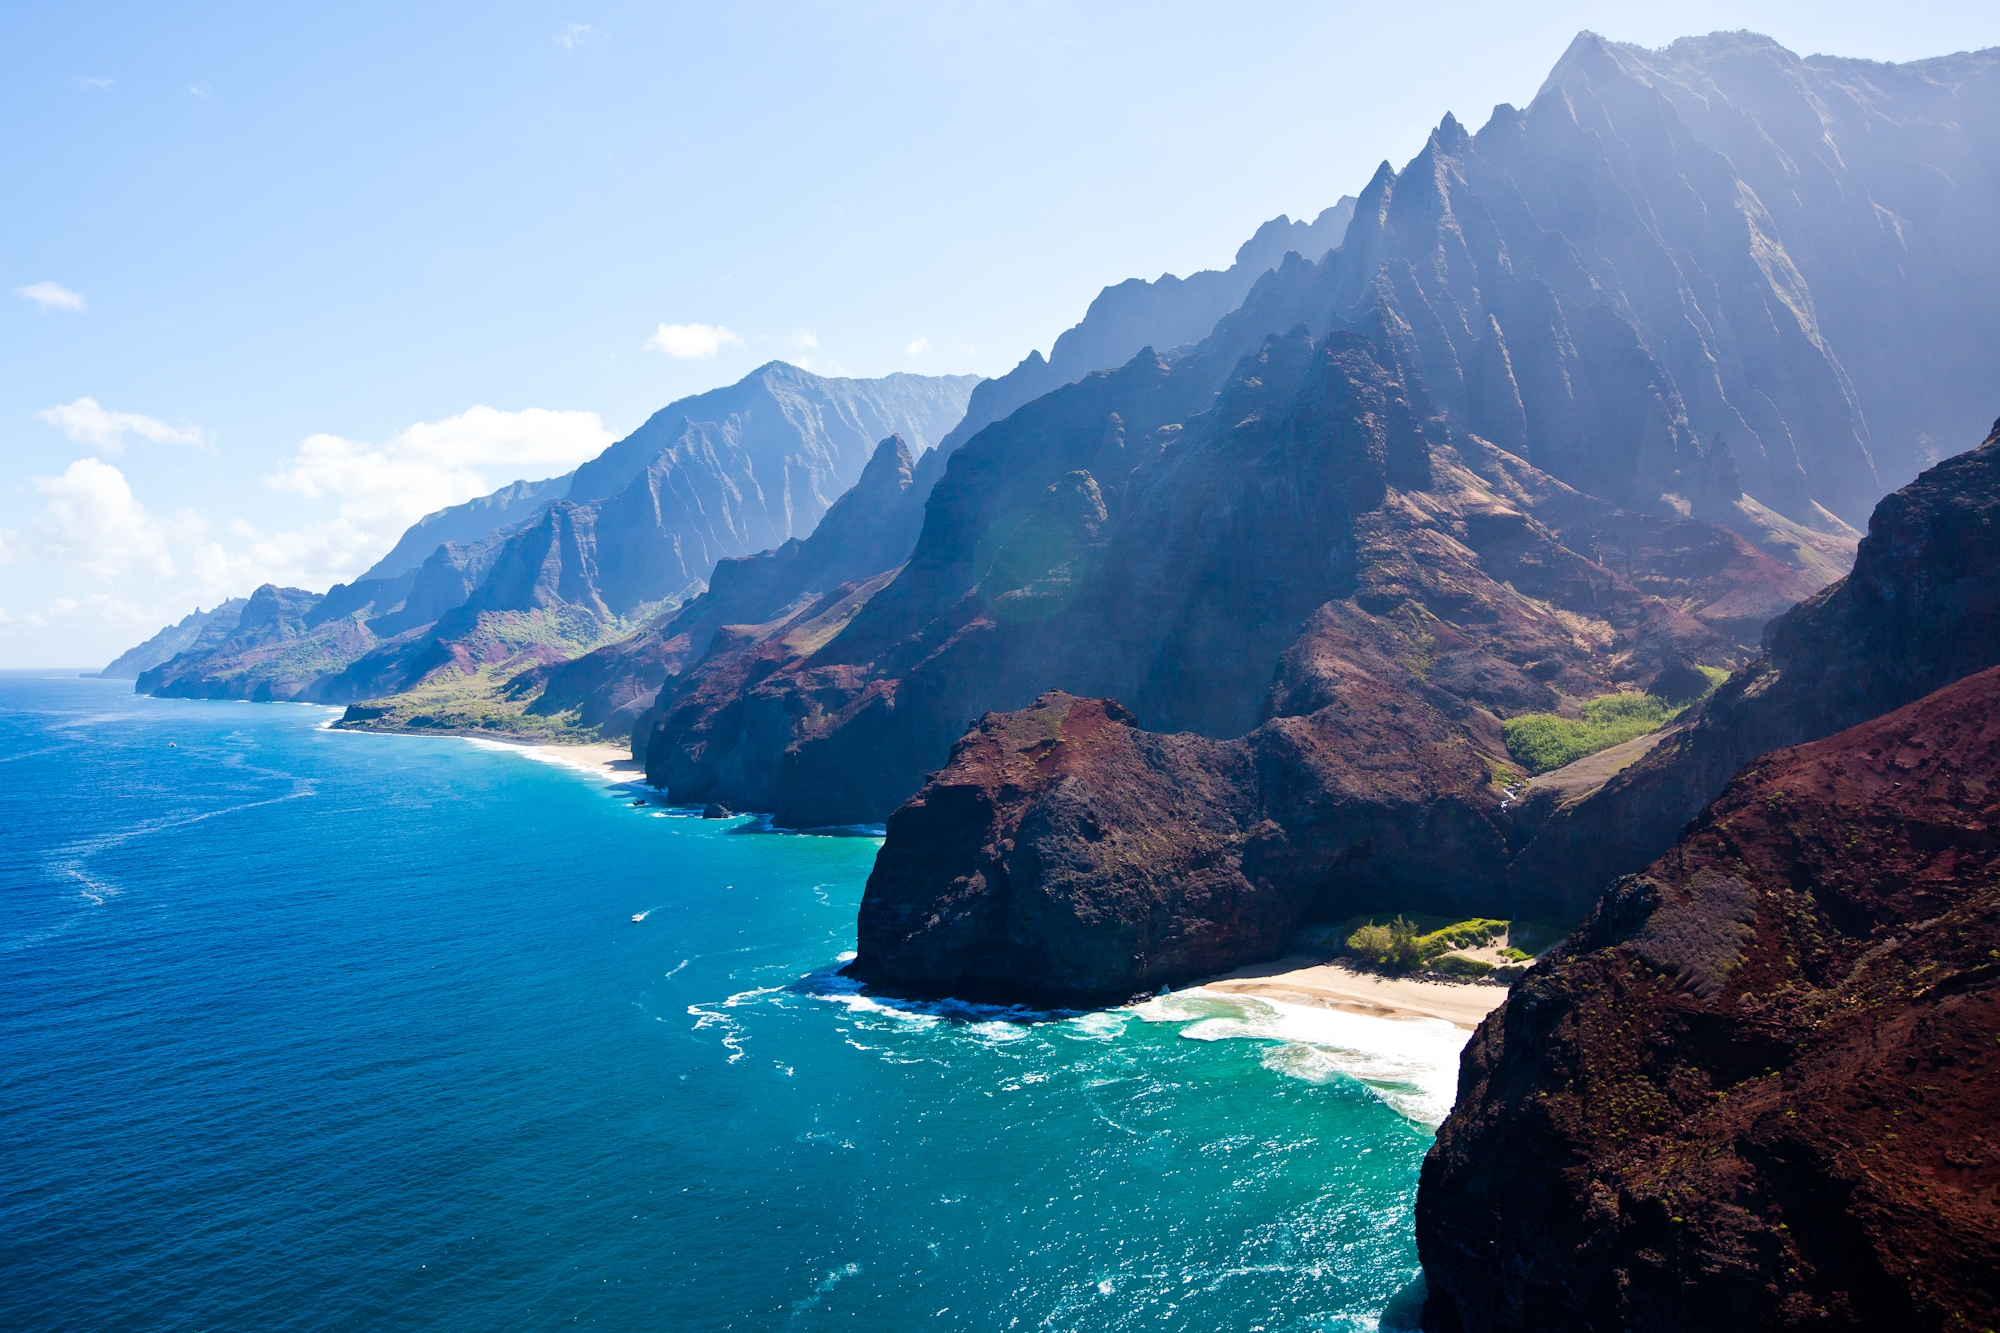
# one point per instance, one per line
(150, 567)
(96, 83)
(692, 342)
(92, 520)
(199, 90)
(574, 35)
(384, 488)
(52, 296)
(89, 423)
(800, 340)
(919, 347)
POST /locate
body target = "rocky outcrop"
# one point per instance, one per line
(1921, 609)
(1755, 1089)
(1066, 856)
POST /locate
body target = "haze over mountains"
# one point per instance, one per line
(1224, 617)
(720, 474)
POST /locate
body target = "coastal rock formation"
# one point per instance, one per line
(1343, 675)
(1921, 609)
(1066, 856)
(1756, 1087)
(1140, 536)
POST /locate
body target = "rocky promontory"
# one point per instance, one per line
(1756, 1088)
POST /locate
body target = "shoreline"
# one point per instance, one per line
(598, 759)
(1313, 981)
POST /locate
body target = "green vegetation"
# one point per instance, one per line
(1402, 943)
(1467, 934)
(1391, 945)
(470, 691)
(1458, 965)
(1545, 741)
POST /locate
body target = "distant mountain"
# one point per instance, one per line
(538, 572)
(750, 600)
(270, 652)
(198, 630)
(797, 438)
(468, 523)
(805, 436)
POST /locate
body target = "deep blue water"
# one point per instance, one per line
(309, 1030)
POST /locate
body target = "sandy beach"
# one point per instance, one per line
(1302, 980)
(612, 763)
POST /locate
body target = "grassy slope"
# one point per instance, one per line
(469, 694)
(1545, 741)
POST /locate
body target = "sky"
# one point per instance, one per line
(277, 280)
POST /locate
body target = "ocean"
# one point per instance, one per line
(307, 1029)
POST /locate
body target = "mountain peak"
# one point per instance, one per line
(1586, 51)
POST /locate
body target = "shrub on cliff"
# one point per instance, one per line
(1545, 741)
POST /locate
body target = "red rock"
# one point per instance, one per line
(1757, 1088)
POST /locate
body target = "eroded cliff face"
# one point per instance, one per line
(1756, 1088)
(868, 530)
(1921, 609)
(1326, 610)
(1589, 284)
(1140, 537)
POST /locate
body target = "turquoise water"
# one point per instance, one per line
(310, 1030)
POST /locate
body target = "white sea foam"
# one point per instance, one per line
(823, 1286)
(1410, 1063)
